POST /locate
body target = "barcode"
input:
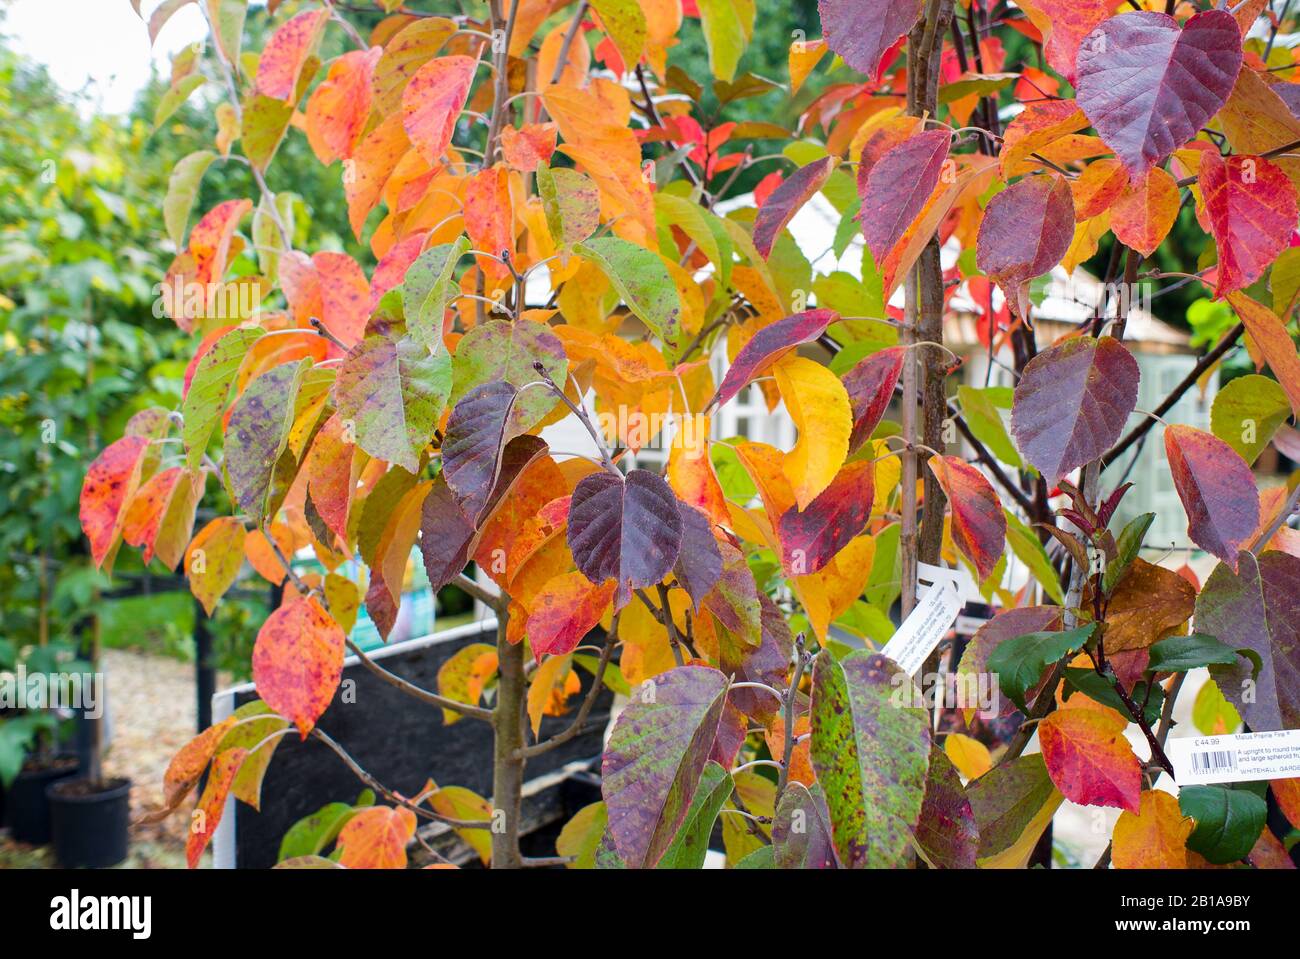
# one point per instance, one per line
(1214, 761)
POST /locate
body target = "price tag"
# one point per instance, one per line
(925, 626)
(1240, 758)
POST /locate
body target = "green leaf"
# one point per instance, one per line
(571, 201)
(1102, 690)
(1020, 662)
(692, 839)
(624, 22)
(642, 280)
(724, 35)
(986, 423)
(311, 834)
(175, 96)
(976, 85)
(182, 187)
(760, 858)
(703, 228)
(655, 758)
(582, 835)
(1247, 412)
(1212, 714)
(427, 289)
(1012, 803)
(1177, 654)
(1128, 543)
(871, 756)
(1026, 547)
(394, 391)
(498, 350)
(1228, 821)
(210, 390)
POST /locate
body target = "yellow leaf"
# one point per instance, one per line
(1156, 838)
(819, 406)
(970, 756)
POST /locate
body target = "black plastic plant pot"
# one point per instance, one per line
(90, 822)
(25, 803)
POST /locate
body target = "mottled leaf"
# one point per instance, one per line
(298, 660)
(979, 529)
(946, 831)
(1217, 489)
(801, 832)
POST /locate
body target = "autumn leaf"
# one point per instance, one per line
(1216, 487)
(432, 101)
(288, 49)
(698, 566)
(1089, 759)
(1072, 402)
(213, 559)
(871, 757)
(1013, 804)
(898, 187)
(1149, 604)
(625, 529)
(861, 33)
(1064, 25)
(298, 660)
(946, 831)
(819, 405)
(655, 757)
(1025, 231)
(767, 346)
(811, 537)
(1152, 837)
(870, 385)
(1149, 85)
(1251, 207)
(566, 609)
(801, 834)
(339, 107)
(1143, 214)
(528, 147)
(109, 485)
(787, 199)
(212, 803)
(979, 529)
(376, 838)
(1271, 338)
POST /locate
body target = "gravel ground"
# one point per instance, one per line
(152, 715)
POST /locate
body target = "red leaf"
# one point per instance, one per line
(1217, 489)
(898, 187)
(1089, 759)
(979, 527)
(1072, 402)
(110, 482)
(297, 661)
(339, 107)
(1065, 23)
(863, 31)
(786, 200)
(1026, 230)
(1251, 206)
(286, 52)
(432, 102)
(770, 344)
(810, 538)
(528, 147)
(870, 386)
(489, 218)
(566, 609)
(1149, 86)
(629, 529)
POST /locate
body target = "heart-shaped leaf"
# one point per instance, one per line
(1026, 230)
(1072, 402)
(628, 529)
(1148, 85)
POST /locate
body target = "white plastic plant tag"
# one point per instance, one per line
(1239, 758)
(925, 626)
(964, 582)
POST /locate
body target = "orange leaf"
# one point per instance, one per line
(1036, 126)
(690, 470)
(110, 484)
(376, 838)
(531, 145)
(371, 165)
(489, 218)
(288, 49)
(1097, 187)
(1272, 340)
(298, 660)
(212, 803)
(1154, 837)
(1089, 759)
(212, 562)
(568, 607)
(339, 108)
(1144, 212)
(432, 102)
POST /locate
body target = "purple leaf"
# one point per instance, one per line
(1257, 608)
(699, 562)
(801, 831)
(768, 345)
(655, 756)
(862, 31)
(471, 450)
(257, 432)
(1072, 402)
(1026, 230)
(946, 830)
(1217, 489)
(768, 662)
(779, 208)
(734, 600)
(1148, 86)
(897, 188)
(629, 529)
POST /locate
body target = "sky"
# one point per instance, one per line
(99, 46)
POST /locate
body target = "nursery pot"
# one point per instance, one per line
(25, 803)
(90, 821)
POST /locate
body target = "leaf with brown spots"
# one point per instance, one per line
(946, 831)
(376, 838)
(432, 101)
(288, 49)
(212, 803)
(1150, 604)
(298, 660)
